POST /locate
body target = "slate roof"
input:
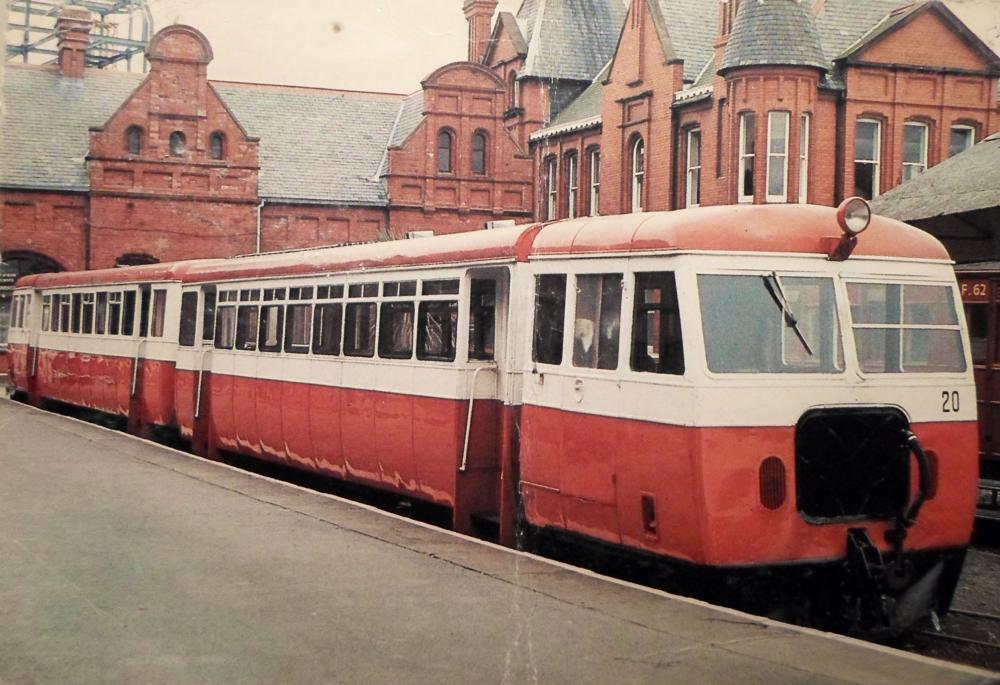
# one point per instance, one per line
(330, 152)
(569, 39)
(587, 105)
(963, 183)
(773, 32)
(692, 26)
(44, 132)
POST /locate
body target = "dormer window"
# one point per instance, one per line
(217, 145)
(178, 143)
(133, 140)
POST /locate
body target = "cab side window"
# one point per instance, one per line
(656, 325)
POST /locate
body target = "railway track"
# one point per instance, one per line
(969, 628)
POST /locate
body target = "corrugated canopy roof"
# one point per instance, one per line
(963, 183)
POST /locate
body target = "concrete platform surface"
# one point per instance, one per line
(122, 561)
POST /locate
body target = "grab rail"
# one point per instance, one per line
(201, 376)
(135, 366)
(468, 418)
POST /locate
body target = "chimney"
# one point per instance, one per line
(479, 14)
(73, 31)
(728, 10)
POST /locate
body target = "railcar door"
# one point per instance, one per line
(486, 417)
(195, 342)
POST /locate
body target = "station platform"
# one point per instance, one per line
(122, 561)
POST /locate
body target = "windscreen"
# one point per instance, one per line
(770, 323)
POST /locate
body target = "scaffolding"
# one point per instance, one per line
(121, 32)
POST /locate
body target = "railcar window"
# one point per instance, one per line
(305, 293)
(159, 313)
(114, 312)
(906, 328)
(46, 312)
(396, 330)
(297, 328)
(208, 314)
(15, 307)
(101, 314)
(359, 329)
(656, 325)
(550, 314)
(449, 287)
(65, 313)
(77, 314)
(87, 326)
(437, 331)
(327, 322)
(225, 328)
(770, 324)
(250, 295)
(482, 319)
(274, 294)
(977, 316)
(128, 313)
(400, 289)
(246, 327)
(189, 319)
(363, 290)
(598, 321)
(330, 292)
(272, 319)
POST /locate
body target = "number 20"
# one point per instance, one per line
(950, 402)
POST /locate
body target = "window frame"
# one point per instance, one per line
(595, 181)
(445, 151)
(924, 161)
(177, 143)
(551, 188)
(876, 161)
(777, 160)
(480, 166)
(748, 120)
(970, 129)
(640, 309)
(134, 139)
(572, 163)
(220, 138)
(692, 176)
(637, 167)
(805, 137)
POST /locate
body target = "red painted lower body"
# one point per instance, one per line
(590, 475)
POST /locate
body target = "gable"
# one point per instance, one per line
(507, 42)
(641, 44)
(927, 37)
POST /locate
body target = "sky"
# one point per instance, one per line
(382, 45)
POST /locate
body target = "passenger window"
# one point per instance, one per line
(189, 319)
(114, 312)
(449, 287)
(327, 322)
(101, 314)
(396, 330)
(65, 313)
(225, 328)
(88, 314)
(297, 328)
(437, 331)
(482, 320)
(359, 329)
(977, 317)
(77, 312)
(144, 312)
(159, 313)
(550, 314)
(400, 289)
(46, 312)
(656, 325)
(271, 327)
(246, 328)
(208, 314)
(128, 313)
(598, 321)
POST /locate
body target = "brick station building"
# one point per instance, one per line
(566, 108)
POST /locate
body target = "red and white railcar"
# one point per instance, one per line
(744, 389)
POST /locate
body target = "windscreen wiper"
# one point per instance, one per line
(773, 285)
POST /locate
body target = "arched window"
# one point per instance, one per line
(551, 189)
(638, 173)
(572, 167)
(479, 147)
(217, 145)
(178, 143)
(514, 100)
(445, 147)
(133, 140)
(595, 181)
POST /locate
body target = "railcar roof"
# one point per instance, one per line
(797, 229)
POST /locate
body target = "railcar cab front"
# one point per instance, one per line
(754, 408)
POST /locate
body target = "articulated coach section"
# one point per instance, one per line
(784, 391)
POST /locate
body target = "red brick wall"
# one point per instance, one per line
(50, 224)
(465, 99)
(579, 143)
(289, 227)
